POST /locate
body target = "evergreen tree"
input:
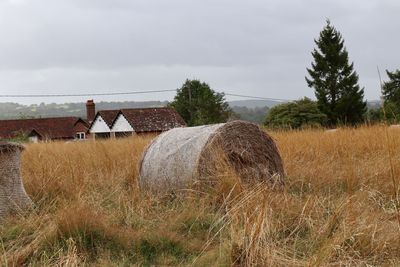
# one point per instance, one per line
(334, 80)
(391, 96)
(198, 104)
(391, 88)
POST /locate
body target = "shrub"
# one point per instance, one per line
(297, 114)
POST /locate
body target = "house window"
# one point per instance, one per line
(34, 139)
(80, 136)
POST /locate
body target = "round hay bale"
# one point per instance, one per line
(182, 157)
(13, 197)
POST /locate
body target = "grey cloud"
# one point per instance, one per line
(257, 47)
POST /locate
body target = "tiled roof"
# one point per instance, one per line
(153, 119)
(108, 116)
(52, 128)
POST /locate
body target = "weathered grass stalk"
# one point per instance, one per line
(388, 148)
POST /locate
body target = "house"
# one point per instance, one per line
(102, 122)
(124, 122)
(145, 120)
(43, 129)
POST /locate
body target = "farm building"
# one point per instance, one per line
(124, 122)
(63, 128)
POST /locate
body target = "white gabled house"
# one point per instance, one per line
(102, 122)
(99, 127)
(126, 122)
(145, 121)
(121, 127)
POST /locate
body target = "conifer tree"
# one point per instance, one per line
(391, 88)
(391, 96)
(334, 80)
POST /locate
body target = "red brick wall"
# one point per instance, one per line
(81, 127)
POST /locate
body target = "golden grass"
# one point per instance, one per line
(339, 208)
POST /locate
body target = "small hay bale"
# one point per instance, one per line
(13, 197)
(182, 157)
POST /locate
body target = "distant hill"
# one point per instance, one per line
(256, 114)
(374, 104)
(17, 111)
(254, 103)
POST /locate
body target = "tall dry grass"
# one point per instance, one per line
(339, 208)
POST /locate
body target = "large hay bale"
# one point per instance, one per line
(182, 157)
(13, 197)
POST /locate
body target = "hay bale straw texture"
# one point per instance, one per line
(182, 157)
(13, 198)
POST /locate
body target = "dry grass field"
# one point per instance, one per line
(339, 208)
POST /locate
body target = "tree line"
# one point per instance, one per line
(339, 97)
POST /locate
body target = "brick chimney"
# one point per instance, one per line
(90, 110)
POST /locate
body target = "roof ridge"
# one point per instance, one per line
(158, 118)
(148, 108)
(45, 118)
(105, 110)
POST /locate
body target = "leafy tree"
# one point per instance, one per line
(334, 79)
(198, 104)
(297, 114)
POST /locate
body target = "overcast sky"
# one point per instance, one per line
(252, 47)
